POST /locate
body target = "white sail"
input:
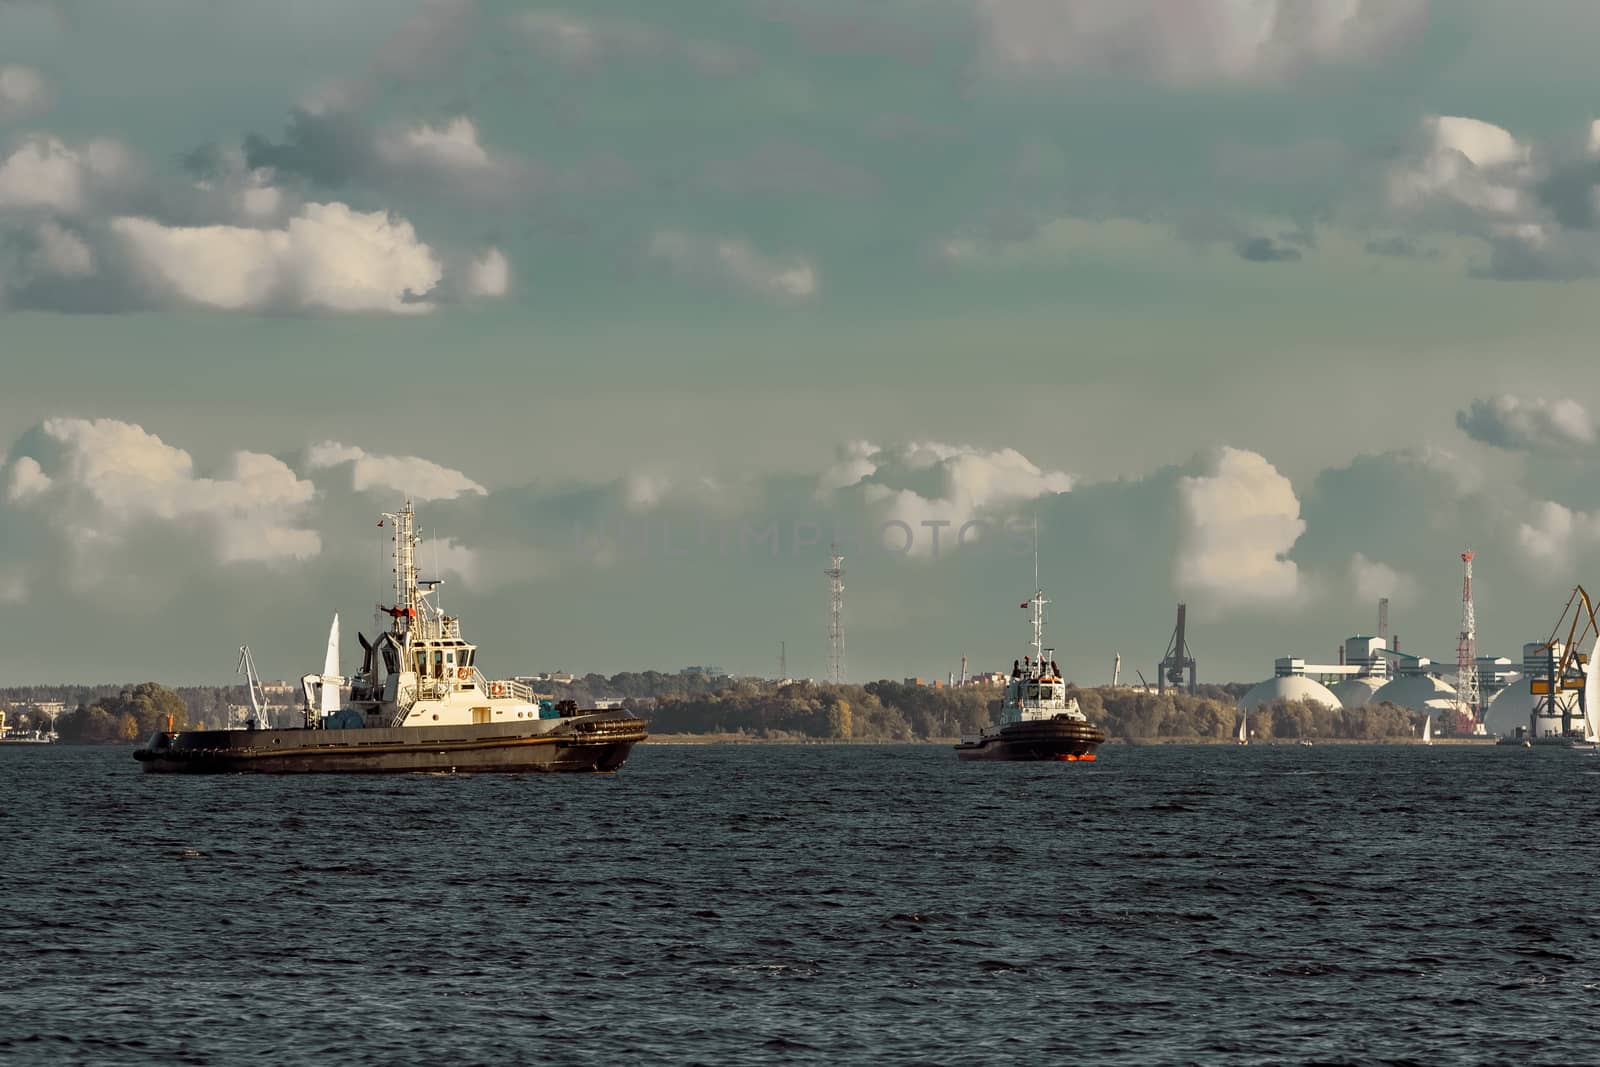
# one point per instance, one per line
(1427, 730)
(329, 702)
(1244, 729)
(1591, 694)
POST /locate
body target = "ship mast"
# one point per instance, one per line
(407, 600)
(1039, 602)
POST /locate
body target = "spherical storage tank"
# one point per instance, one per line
(1288, 687)
(1513, 706)
(1357, 692)
(1419, 692)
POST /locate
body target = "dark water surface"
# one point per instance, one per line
(810, 904)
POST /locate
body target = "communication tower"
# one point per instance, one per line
(1467, 696)
(1178, 658)
(835, 573)
(783, 662)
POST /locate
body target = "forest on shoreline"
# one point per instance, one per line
(797, 711)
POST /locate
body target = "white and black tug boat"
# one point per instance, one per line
(1038, 721)
(419, 703)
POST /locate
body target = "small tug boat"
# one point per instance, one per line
(1038, 721)
(420, 703)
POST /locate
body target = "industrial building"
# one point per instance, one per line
(1371, 673)
(1520, 708)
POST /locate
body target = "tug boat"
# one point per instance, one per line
(1038, 721)
(419, 703)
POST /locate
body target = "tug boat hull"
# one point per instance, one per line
(1060, 740)
(579, 744)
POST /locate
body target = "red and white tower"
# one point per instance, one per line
(1467, 695)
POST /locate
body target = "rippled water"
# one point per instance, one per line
(815, 904)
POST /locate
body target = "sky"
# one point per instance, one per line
(1269, 307)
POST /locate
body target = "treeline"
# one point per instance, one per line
(888, 711)
(878, 711)
(127, 716)
(1136, 715)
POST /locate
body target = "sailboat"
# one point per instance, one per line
(1244, 728)
(1427, 729)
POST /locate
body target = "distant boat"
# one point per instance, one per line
(1304, 743)
(1427, 730)
(1244, 728)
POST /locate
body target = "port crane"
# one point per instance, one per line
(1569, 671)
(259, 708)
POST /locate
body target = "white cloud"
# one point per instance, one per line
(489, 275)
(27, 479)
(1371, 580)
(419, 478)
(329, 256)
(453, 146)
(734, 262)
(1237, 526)
(1194, 41)
(23, 92)
(106, 475)
(857, 461)
(1511, 422)
(60, 252)
(1465, 162)
(1555, 533)
(931, 482)
(452, 557)
(46, 173)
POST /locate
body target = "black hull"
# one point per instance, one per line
(1055, 740)
(583, 744)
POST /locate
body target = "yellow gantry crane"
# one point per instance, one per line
(1568, 671)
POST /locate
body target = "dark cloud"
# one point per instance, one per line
(1265, 250)
(329, 149)
(1568, 192)
(1398, 247)
(1558, 257)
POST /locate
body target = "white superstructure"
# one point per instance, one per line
(1035, 691)
(421, 672)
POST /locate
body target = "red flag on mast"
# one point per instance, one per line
(1025, 603)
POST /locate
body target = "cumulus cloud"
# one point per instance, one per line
(931, 482)
(95, 479)
(1514, 423)
(23, 92)
(488, 275)
(47, 174)
(1196, 41)
(1371, 580)
(1535, 206)
(329, 256)
(1463, 162)
(334, 148)
(418, 478)
(734, 263)
(1554, 533)
(1237, 525)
